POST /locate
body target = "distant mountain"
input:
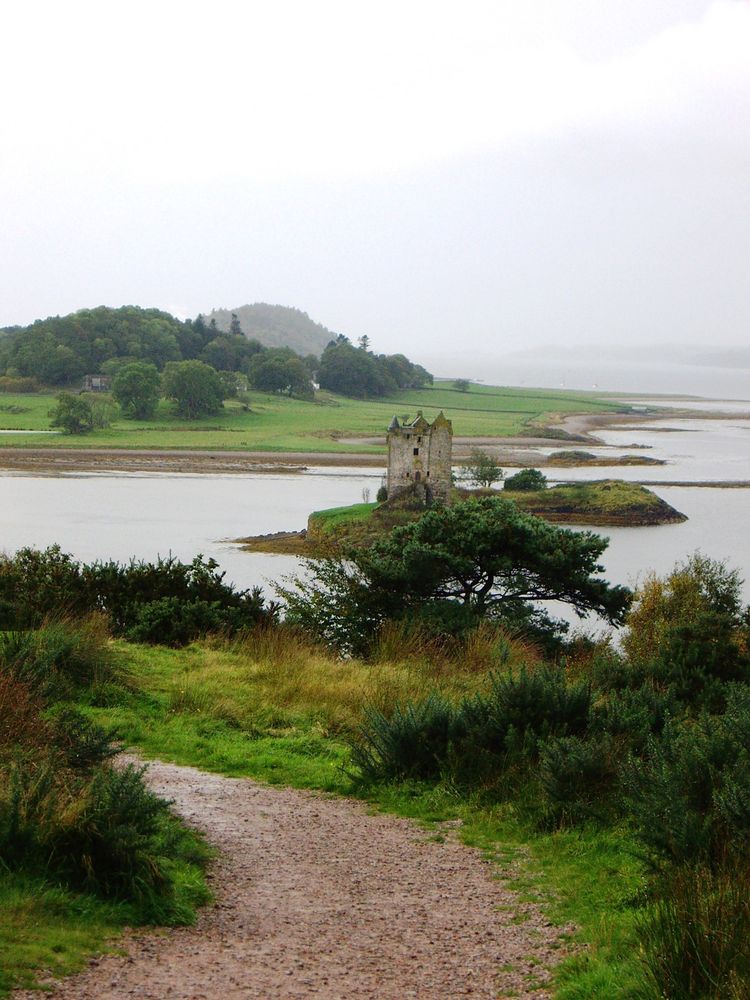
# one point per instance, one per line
(276, 326)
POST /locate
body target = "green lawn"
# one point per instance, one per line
(277, 423)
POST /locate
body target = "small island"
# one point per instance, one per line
(606, 503)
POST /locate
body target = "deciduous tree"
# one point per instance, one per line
(137, 388)
(195, 387)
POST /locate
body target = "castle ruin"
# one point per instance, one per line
(419, 454)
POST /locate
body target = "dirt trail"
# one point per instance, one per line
(315, 897)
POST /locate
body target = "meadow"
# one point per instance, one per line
(277, 423)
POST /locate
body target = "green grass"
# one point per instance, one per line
(277, 423)
(47, 930)
(43, 927)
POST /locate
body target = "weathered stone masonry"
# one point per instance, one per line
(420, 453)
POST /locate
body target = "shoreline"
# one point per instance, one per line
(516, 451)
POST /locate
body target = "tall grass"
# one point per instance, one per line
(695, 938)
(62, 657)
(278, 678)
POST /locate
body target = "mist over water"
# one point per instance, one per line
(631, 377)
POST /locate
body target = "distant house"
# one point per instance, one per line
(96, 383)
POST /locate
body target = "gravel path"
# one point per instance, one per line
(316, 897)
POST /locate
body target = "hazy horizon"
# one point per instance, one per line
(486, 178)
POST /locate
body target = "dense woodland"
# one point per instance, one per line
(60, 350)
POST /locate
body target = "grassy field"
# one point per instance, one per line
(281, 711)
(276, 423)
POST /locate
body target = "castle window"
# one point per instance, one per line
(416, 451)
(417, 476)
(428, 474)
(419, 440)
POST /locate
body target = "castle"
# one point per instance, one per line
(420, 453)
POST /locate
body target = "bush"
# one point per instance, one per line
(690, 796)
(173, 622)
(576, 776)
(10, 383)
(35, 585)
(481, 739)
(62, 657)
(72, 414)
(526, 481)
(412, 743)
(99, 834)
(633, 717)
(697, 587)
(81, 744)
(21, 724)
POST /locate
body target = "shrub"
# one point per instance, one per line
(576, 776)
(11, 383)
(481, 739)
(698, 658)
(696, 587)
(21, 722)
(633, 717)
(526, 481)
(81, 743)
(412, 743)
(690, 796)
(62, 657)
(173, 622)
(35, 585)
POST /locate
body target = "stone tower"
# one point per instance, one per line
(420, 453)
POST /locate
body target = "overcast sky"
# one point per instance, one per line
(493, 175)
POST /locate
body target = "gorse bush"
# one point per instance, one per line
(66, 814)
(168, 597)
(483, 737)
(690, 795)
(412, 743)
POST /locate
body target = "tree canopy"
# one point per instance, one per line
(195, 387)
(137, 388)
(356, 371)
(481, 554)
(482, 468)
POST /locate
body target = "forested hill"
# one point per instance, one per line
(275, 326)
(60, 350)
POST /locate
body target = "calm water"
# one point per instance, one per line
(111, 515)
(695, 451)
